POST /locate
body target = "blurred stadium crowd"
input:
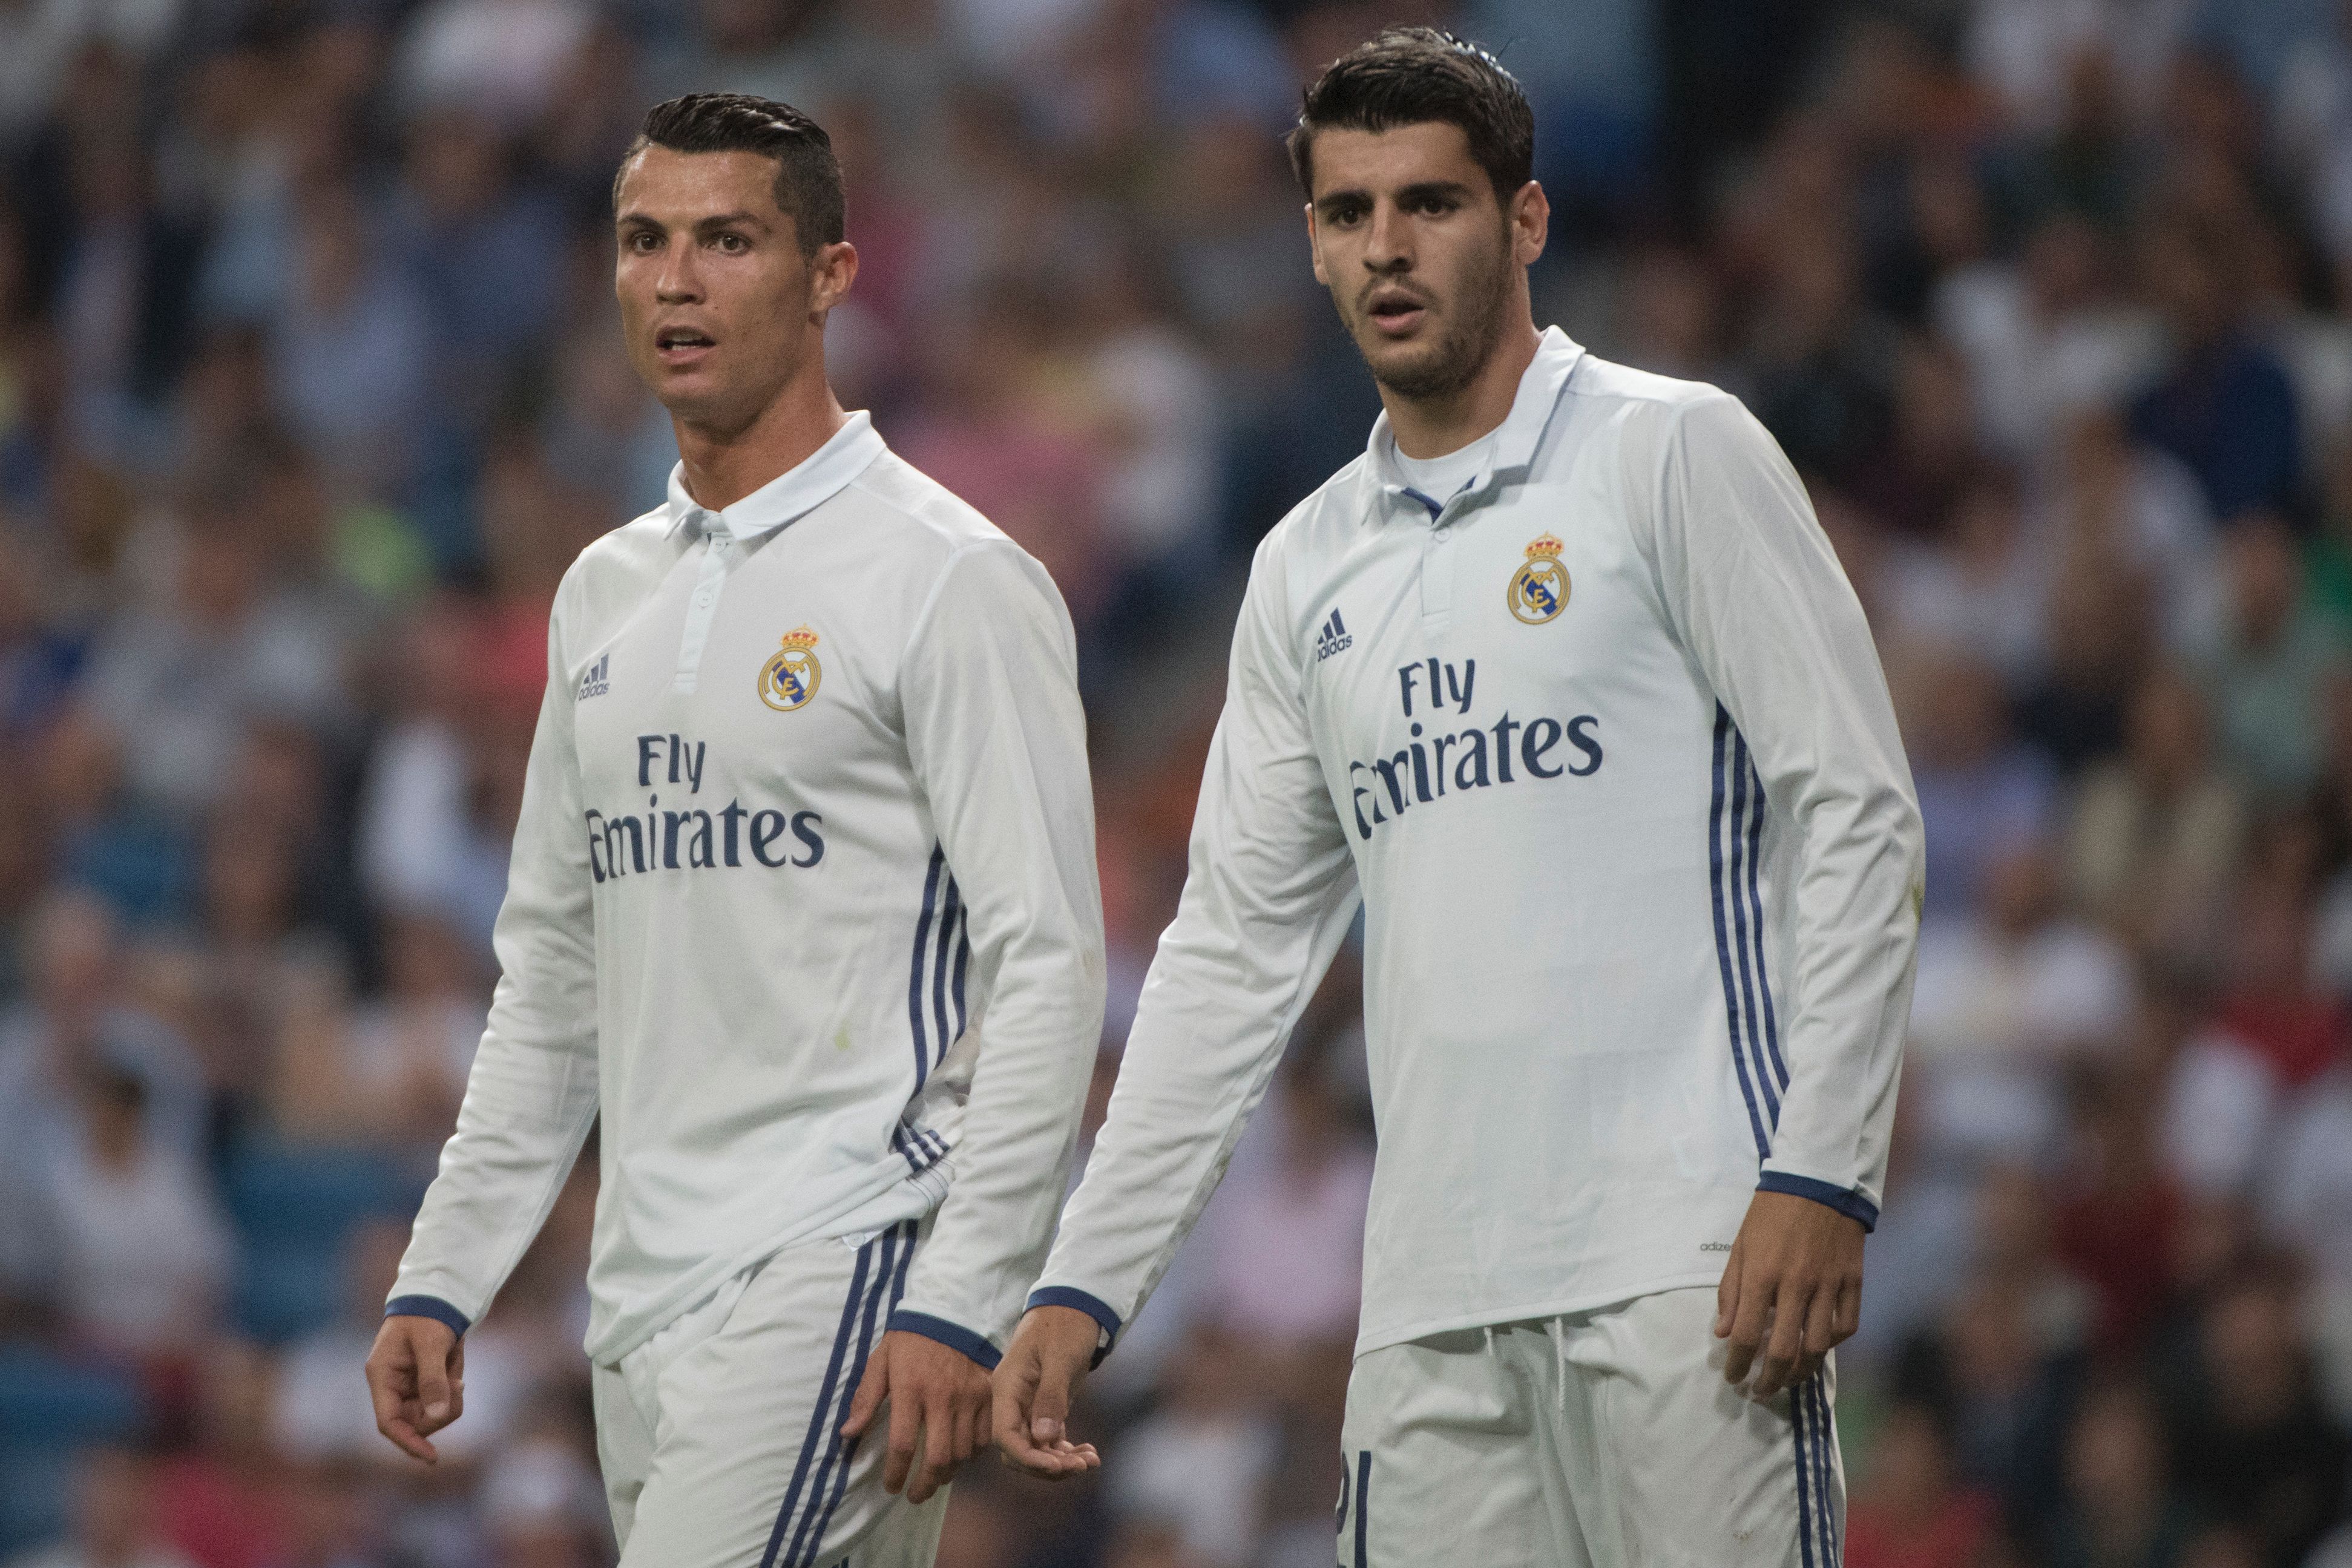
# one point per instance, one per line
(309, 390)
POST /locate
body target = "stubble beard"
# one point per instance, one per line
(1463, 351)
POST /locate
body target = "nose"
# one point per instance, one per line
(1387, 244)
(677, 281)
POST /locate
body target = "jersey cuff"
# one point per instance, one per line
(1846, 1201)
(955, 1336)
(433, 1307)
(1069, 1296)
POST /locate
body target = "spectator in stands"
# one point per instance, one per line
(2257, 1451)
(114, 1517)
(2119, 1509)
(2270, 664)
(1915, 1512)
(141, 1250)
(2158, 831)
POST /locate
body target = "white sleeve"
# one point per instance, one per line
(531, 1094)
(1756, 594)
(997, 740)
(1268, 898)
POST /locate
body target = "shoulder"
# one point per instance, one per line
(1655, 423)
(1606, 383)
(923, 534)
(614, 569)
(625, 554)
(1648, 408)
(1321, 525)
(912, 515)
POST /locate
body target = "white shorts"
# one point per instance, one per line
(719, 1437)
(1597, 1440)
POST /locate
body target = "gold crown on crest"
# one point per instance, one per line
(800, 637)
(1545, 545)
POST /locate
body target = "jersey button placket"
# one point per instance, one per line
(1437, 553)
(703, 606)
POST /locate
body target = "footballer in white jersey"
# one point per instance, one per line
(803, 915)
(1560, 686)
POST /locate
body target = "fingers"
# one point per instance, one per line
(1847, 1320)
(1820, 1333)
(391, 1390)
(1015, 1384)
(437, 1393)
(1751, 1316)
(1049, 1407)
(945, 1429)
(957, 1411)
(873, 1385)
(905, 1427)
(1013, 1414)
(1727, 1294)
(410, 1441)
(1053, 1462)
(977, 1430)
(1784, 1346)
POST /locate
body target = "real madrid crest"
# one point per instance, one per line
(789, 679)
(1539, 590)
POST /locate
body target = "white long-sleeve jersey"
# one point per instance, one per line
(807, 800)
(1603, 742)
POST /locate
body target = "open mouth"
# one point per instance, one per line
(675, 343)
(1396, 313)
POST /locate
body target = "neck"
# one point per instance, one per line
(724, 467)
(1432, 427)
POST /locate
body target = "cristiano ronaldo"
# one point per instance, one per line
(808, 796)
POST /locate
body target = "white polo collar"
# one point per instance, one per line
(794, 493)
(1515, 438)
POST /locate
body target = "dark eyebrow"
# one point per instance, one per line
(703, 225)
(1426, 191)
(729, 221)
(1434, 190)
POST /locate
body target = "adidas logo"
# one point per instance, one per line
(593, 684)
(1333, 639)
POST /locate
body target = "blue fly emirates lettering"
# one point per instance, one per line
(624, 843)
(1480, 756)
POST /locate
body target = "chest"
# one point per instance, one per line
(747, 676)
(1536, 609)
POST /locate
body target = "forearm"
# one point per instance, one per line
(532, 1091)
(1856, 929)
(526, 1113)
(1226, 989)
(1012, 1161)
(997, 735)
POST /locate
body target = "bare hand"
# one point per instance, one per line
(416, 1377)
(1052, 1350)
(1791, 1291)
(939, 1402)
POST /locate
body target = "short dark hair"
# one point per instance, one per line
(1408, 76)
(808, 176)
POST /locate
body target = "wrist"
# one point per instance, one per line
(1071, 1306)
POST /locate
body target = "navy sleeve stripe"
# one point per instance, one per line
(1850, 1204)
(955, 1336)
(1080, 1301)
(915, 975)
(433, 1307)
(1715, 853)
